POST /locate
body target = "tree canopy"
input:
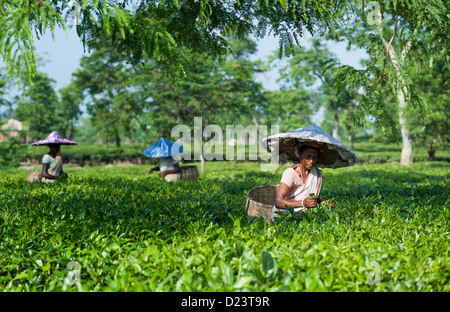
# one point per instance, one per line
(162, 30)
(157, 29)
(39, 106)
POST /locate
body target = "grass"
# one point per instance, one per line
(125, 230)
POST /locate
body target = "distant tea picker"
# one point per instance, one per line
(169, 153)
(307, 148)
(52, 162)
(166, 151)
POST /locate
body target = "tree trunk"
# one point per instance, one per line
(431, 151)
(117, 137)
(406, 158)
(407, 155)
(202, 162)
(336, 126)
(69, 132)
(350, 140)
(202, 158)
(255, 121)
(105, 141)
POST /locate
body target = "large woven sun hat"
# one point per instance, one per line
(54, 138)
(333, 154)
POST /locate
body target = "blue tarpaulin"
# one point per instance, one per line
(163, 148)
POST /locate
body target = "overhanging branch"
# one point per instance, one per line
(389, 46)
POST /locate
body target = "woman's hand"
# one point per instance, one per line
(310, 202)
(45, 173)
(153, 169)
(281, 201)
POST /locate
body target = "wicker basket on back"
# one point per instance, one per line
(260, 201)
(34, 176)
(189, 173)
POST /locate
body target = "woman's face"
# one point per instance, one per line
(309, 158)
(54, 148)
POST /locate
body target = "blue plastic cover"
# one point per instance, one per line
(163, 148)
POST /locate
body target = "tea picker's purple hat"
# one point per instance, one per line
(54, 138)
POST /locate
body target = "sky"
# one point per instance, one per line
(62, 55)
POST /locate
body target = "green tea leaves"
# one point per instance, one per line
(267, 262)
(148, 235)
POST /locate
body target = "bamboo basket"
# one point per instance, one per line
(260, 201)
(34, 176)
(189, 173)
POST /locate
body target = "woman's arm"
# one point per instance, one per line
(177, 169)
(282, 202)
(153, 169)
(45, 173)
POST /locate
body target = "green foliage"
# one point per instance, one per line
(373, 151)
(105, 82)
(5, 105)
(401, 38)
(11, 153)
(166, 32)
(129, 231)
(222, 89)
(38, 107)
(248, 98)
(431, 125)
(162, 29)
(172, 103)
(288, 108)
(21, 18)
(69, 109)
(305, 72)
(92, 154)
(379, 151)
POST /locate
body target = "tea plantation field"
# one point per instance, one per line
(120, 229)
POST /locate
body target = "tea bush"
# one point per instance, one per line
(94, 154)
(127, 230)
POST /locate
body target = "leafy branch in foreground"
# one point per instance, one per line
(407, 31)
(158, 28)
